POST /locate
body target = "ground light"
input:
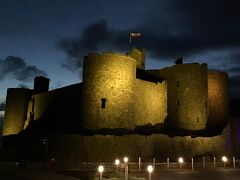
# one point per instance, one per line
(234, 162)
(100, 170)
(180, 160)
(117, 162)
(150, 170)
(139, 164)
(125, 159)
(224, 159)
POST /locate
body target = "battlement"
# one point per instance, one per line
(108, 54)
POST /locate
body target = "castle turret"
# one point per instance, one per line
(218, 100)
(41, 84)
(139, 55)
(16, 110)
(108, 91)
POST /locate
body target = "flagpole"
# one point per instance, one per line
(133, 35)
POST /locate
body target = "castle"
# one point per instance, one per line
(117, 93)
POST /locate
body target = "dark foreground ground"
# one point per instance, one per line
(13, 172)
(217, 174)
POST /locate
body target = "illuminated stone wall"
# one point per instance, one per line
(111, 96)
(187, 95)
(16, 110)
(150, 102)
(218, 99)
(100, 148)
(108, 78)
(60, 103)
(38, 105)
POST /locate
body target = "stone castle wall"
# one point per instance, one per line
(38, 105)
(106, 148)
(218, 99)
(111, 96)
(16, 110)
(130, 102)
(57, 104)
(187, 95)
(108, 91)
(150, 102)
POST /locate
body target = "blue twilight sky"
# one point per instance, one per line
(50, 37)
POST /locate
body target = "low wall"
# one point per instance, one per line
(100, 148)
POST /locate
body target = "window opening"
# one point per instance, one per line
(103, 105)
(177, 102)
(177, 83)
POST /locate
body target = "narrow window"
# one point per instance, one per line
(104, 100)
(197, 119)
(177, 102)
(177, 83)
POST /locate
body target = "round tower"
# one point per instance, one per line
(16, 110)
(108, 91)
(218, 100)
(187, 96)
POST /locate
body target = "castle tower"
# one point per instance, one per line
(218, 100)
(139, 55)
(41, 84)
(108, 91)
(187, 96)
(16, 110)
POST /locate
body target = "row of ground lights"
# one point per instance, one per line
(224, 159)
(117, 162)
(150, 168)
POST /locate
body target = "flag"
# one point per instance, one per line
(134, 36)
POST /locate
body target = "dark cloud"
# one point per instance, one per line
(93, 35)
(234, 70)
(18, 69)
(23, 86)
(235, 58)
(234, 82)
(94, 38)
(178, 28)
(28, 73)
(230, 62)
(183, 28)
(89, 40)
(189, 27)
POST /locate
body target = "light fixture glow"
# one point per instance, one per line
(125, 159)
(100, 168)
(150, 169)
(180, 160)
(117, 162)
(224, 159)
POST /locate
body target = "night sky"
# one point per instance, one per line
(50, 37)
